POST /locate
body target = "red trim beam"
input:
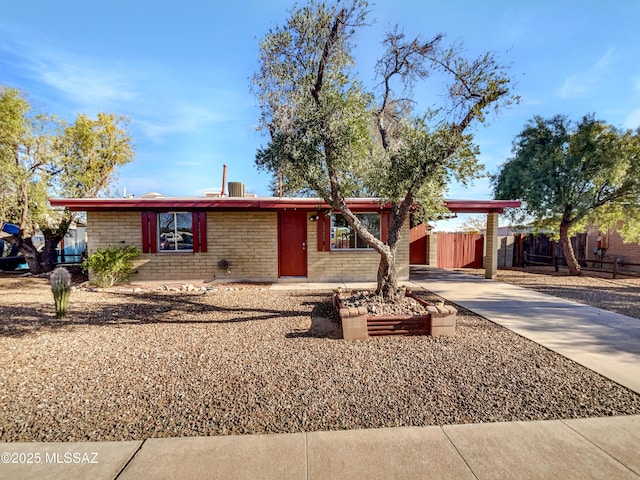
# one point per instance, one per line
(481, 206)
(190, 203)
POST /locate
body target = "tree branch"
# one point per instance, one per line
(339, 20)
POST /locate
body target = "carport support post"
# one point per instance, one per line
(491, 260)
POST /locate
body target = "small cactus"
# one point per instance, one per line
(61, 286)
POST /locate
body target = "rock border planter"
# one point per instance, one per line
(357, 324)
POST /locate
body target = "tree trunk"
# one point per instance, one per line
(388, 278)
(49, 254)
(38, 261)
(30, 254)
(567, 249)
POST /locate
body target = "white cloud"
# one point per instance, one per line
(176, 117)
(582, 83)
(89, 85)
(158, 103)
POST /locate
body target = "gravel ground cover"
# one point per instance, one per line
(621, 295)
(243, 359)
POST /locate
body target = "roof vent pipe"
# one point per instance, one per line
(224, 179)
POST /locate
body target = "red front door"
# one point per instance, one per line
(292, 243)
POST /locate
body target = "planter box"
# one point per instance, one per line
(358, 325)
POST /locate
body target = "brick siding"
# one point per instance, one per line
(248, 241)
(617, 248)
(345, 265)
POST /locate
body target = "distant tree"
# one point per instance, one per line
(41, 156)
(329, 135)
(474, 224)
(573, 174)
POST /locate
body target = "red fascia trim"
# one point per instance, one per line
(356, 205)
(481, 206)
(96, 204)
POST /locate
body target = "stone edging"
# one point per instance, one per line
(440, 320)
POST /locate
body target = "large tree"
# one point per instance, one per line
(573, 174)
(42, 156)
(332, 136)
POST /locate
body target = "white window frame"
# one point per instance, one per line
(173, 236)
(357, 240)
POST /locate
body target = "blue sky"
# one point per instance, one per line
(180, 71)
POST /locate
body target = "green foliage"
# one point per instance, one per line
(25, 152)
(111, 265)
(331, 135)
(42, 156)
(574, 173)
(61, 287)
(328, 132)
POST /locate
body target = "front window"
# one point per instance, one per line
(175, 231)
(344, 237)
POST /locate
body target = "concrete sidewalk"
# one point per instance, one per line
(592, 448)
(604, 341)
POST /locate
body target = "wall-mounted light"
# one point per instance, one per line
(314, 218)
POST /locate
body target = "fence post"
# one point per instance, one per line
(615, 267)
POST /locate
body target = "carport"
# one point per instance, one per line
(492, 208)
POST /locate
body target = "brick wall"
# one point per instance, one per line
(111, 229)
(247, 240)
(617, 248)
(352, 265)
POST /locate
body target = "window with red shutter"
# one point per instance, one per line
(169, 232)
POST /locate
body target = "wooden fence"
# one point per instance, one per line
(618, 267)
(541, 250)
(460, 250)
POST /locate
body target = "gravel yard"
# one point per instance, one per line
(153, 363)
(621, 295)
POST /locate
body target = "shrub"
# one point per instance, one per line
(111, 265)
(61, 286)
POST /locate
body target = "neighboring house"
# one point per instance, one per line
(609, 246)
(240, 238)
(73, 245)
(71, 248)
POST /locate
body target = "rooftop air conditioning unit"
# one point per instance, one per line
(236, 189)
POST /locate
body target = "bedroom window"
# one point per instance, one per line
(174, 232)
(343, 237)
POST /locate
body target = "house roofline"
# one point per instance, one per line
(481, 206)
(260, 203)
